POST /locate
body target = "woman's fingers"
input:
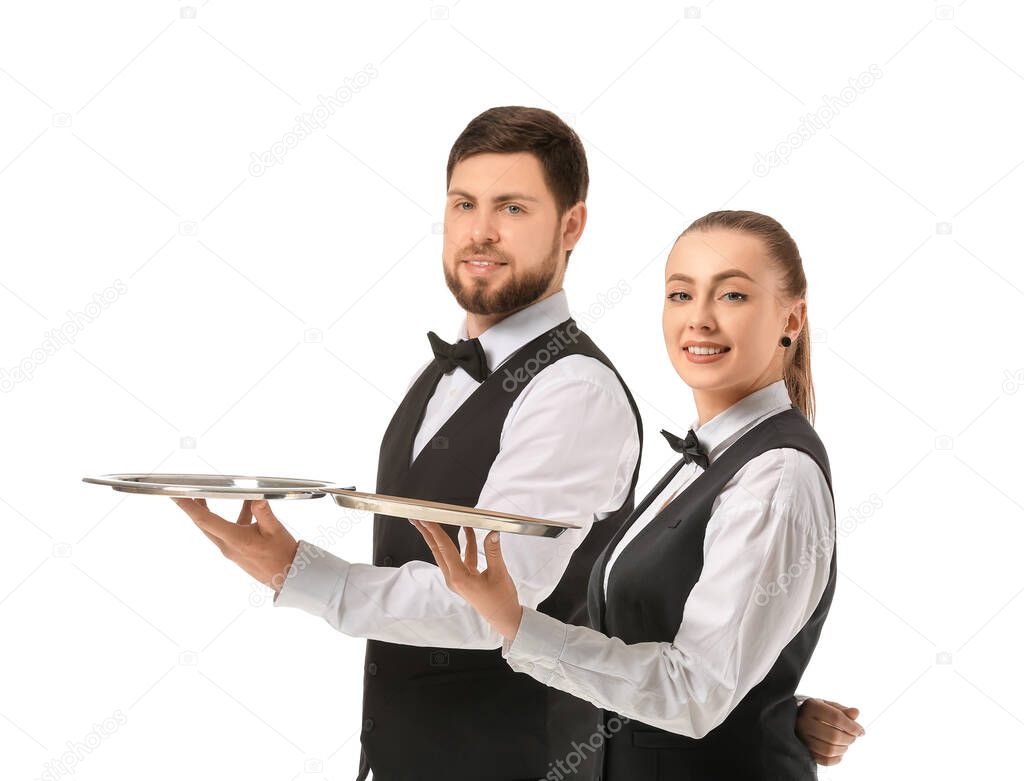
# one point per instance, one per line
(470, 559)
(824, 749)
(845, 718)
(495, 561)
(445, 545)
(428, 537)
(826, 761)
(827, 733)
(446, 549)
(245, 514)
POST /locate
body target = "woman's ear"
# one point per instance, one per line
(797, 318)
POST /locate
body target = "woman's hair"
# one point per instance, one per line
(508, 129)
(783, 251)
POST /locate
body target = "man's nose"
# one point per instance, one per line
(485, 228)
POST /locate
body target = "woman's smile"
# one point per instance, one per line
(704, 352)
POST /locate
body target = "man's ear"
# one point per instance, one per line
(573, 222)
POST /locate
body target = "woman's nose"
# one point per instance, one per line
(701, 318)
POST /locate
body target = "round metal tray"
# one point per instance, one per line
(194, 486)
(423, 510)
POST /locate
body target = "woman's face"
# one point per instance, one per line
(722, 291)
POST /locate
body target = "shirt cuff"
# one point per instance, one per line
(315, 580)
(800, 699)
(538, 642)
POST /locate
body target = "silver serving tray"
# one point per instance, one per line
(195, 486)
(424, 510)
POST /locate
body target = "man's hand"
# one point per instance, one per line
(265, 549)
(828, 729)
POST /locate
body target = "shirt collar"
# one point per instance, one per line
(505, 337)
(731, 423)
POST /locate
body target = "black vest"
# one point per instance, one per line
(443, 713)
(757, 740)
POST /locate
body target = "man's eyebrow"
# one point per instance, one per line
(497, 198)
(732, 272)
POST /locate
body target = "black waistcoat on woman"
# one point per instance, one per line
(451, 714)
(757, 740)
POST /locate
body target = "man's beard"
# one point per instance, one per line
(518, 291)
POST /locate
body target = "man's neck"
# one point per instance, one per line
(476, 324)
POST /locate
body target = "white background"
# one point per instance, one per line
(275, 320)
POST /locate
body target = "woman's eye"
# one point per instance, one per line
(672, 296)
(742, 296)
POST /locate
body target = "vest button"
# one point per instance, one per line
(387, 561)
(368, 725)
(371, 668)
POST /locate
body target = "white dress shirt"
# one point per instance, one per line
(568, 448)
(767, 552)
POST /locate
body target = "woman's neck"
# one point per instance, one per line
(710, 403)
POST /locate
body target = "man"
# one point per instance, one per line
(524, 414)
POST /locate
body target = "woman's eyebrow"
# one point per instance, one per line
(732, 272)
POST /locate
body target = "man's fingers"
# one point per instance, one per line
(266, 521)
(209, 522)
(215, 540)
(222, 546)
(245, 514)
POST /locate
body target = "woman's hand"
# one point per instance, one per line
(492, 593)
(828, 729)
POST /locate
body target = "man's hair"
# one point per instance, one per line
(509, 129)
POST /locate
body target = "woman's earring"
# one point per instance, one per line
(785, 341)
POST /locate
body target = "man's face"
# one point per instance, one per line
(504, 243)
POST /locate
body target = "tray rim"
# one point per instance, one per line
(551, 528)
(118, 481)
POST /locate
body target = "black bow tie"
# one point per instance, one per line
(689, 447)
(467, 353)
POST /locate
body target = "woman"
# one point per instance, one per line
(706, 606)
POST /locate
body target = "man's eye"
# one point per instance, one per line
(460, 204)
(511, 206)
